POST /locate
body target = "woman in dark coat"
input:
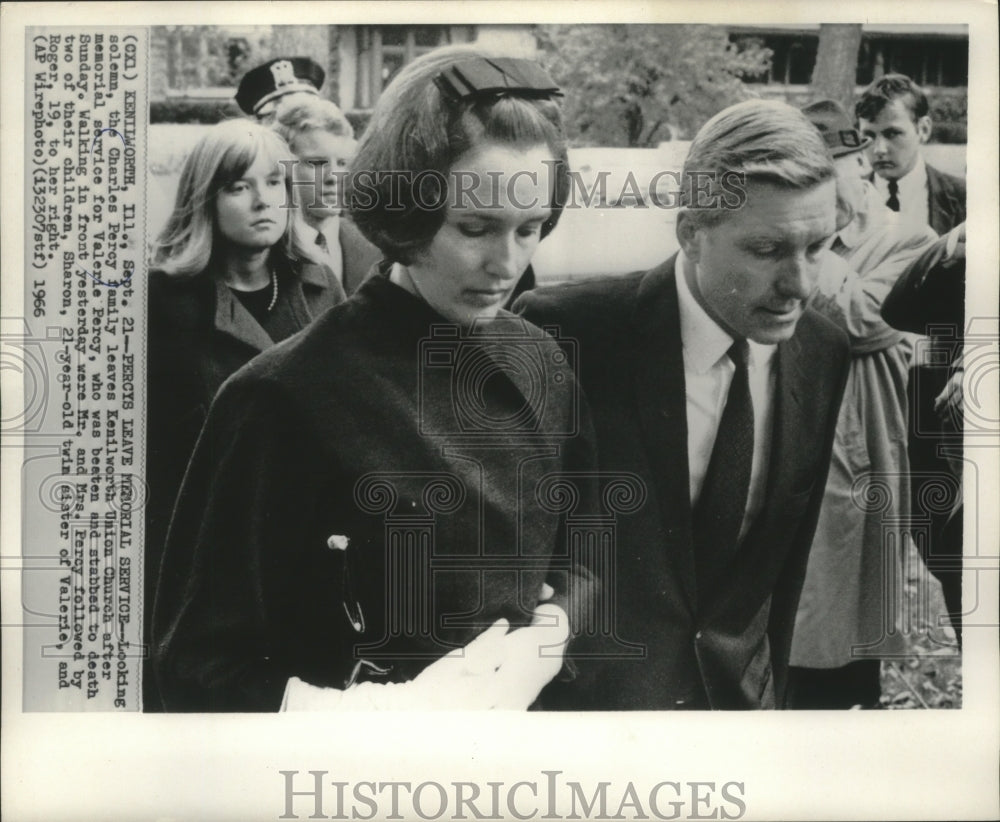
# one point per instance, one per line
(230, 278)
(374, 503)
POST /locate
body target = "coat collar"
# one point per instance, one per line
(659, 382)
(233, 319)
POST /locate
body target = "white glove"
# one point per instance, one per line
(498, 670)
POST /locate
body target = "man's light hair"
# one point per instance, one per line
(766, 141)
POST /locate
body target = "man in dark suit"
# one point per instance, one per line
(894, 113)
(714, 384)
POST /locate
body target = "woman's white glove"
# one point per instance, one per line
(498, 670)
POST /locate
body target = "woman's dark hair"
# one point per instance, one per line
(395, 193)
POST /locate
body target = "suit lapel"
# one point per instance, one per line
(942, 205)
(790, 435)
(662, 404)
(313, 291)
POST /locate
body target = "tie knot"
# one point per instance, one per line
(739, 353)
(893, 187)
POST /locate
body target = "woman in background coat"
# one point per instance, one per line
(230, 277)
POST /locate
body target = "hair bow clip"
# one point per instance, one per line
(482, 77)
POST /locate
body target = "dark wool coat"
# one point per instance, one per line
(428, 453)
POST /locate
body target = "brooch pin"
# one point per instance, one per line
(352, 608)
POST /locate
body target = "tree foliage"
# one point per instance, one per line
(638, 85)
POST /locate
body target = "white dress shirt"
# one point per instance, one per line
(333, 256)
(912, 194)
(708, 372)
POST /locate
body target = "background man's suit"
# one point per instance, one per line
(726, 647)
(945, 200)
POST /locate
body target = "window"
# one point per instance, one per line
(203, 57)
(792, 57)
(384, 50)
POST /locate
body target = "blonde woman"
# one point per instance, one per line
(231, 275)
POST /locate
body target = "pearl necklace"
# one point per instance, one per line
(274, 292)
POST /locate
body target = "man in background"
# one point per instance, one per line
(285, 94)
(322, 140)
(850, 612)
(894, 113)
(264, 86)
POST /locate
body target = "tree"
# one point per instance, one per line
(637, 85)
(836, 66)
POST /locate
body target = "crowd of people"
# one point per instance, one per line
(386, 470)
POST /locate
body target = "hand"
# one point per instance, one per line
(498, 670)
(949, 405)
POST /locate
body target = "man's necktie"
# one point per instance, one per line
(893, 201)
(718, 514)
(321, 242)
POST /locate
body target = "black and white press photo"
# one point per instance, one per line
(420, 411)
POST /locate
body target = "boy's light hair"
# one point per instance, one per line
(301, 113)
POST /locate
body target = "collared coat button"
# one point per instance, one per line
(698, 635)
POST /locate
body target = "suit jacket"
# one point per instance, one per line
(678, 647)
(358, 254)
(945, 200)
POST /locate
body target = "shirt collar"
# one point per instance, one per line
(875, 216)
(330, 228)
(914, 182)
(703, 341)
